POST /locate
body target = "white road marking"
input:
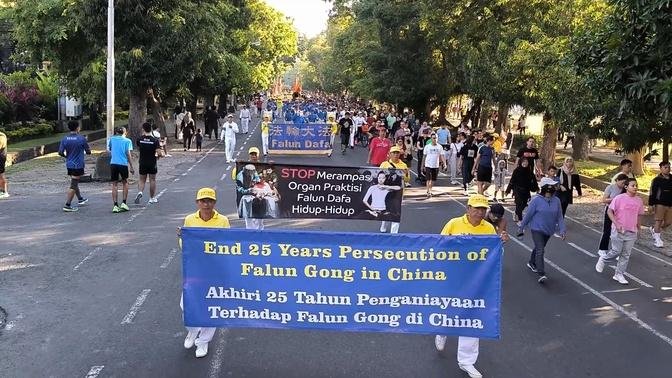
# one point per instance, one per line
(176, 179)
(10, 324)
(128, 319)
(169, 258)
(636, 279)
(596, 293)
(87, 258)
(216, 363)
(94, 371)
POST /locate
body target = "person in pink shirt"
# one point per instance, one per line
(624, 211)
(379, 148)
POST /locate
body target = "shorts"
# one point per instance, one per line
(431, 173)
(663, 213)
(118, 172)
(147, 169)
(3, 160)
(484, 174)
(75, 171)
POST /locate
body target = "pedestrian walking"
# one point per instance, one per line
(245, 119)
(211, 119)
(472, 223)
(245, 187)
(485, 161)
(379, 148)
(500, 178)
(522, 182)
(609, 194)
(188, 131)
(228, 136)
(265, 127)
(432, 161)
(453, 157)
(199, 140)
(394, 163)
(624, 212)
(180, 113)
(345, 127)
(206, 216)
(544, 218)
(625, 168)
(73, 147)
(4, 193)
(568, 180)
(420, 144)
(467, 157)
(660, 201)
(120, 164)
(149, 148)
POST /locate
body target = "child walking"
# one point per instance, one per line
(500, 178)
(199, 140)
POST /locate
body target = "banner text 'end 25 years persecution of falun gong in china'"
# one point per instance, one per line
(404, 283)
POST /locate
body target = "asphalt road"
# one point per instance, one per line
(97, 294)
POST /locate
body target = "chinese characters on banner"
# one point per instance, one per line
(299, 139)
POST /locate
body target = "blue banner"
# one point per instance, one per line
(404, 283)
(299, 138)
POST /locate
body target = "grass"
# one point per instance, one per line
(605, 172)
(15, 147)
(40, 162)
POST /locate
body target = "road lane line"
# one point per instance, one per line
(634, 278)
(128, 319)
(169, 258)
(216, 363)
(94, 371)
(88, 257)
(596, 293)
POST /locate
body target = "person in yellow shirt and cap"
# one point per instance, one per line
(394, 162)
(331, 121)
(265, 125)
(472, 223)
(206, 216)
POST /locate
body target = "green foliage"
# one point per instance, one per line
(22, 131)
(6, 109)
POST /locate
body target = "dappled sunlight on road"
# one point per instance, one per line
(15, 262)
(605, 315)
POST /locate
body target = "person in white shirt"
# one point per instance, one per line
(245, 119)
(432, 160)
(228, 135)
(358, 120)
(453, 150)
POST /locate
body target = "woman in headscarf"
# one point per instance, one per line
(188, 131)
(568, 180)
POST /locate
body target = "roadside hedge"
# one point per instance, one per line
(17, 132)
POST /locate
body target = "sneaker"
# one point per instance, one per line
(137, 198)
(471, 370)
(153, 200)
(4, 195)
(557, 235)
(620, 279)
(542, 279)
(440, 342)
(652, 231)
(599, 267)
(201, 350)
(658, 243)
(602, 252)
(116, 209)
(82, 201)
(123, 207)
(70, 209)
(532, 267)
(190, 339)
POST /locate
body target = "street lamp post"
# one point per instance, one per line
(110, 69)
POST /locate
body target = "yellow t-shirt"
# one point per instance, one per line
(461, 226)
(217, 221)
(497, 145)
(264, 128)
(398, 165)
(334, 127)
(3, 142)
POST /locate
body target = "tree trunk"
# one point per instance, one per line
(580, 147)
(442, 114)
(157, 113)
(137, 112)
(221, 107)
(666, 149)
(503, 111)
(547, 150)
(483, 117)
(637, 162)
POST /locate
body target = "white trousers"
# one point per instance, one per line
(229, 148)
(254, 224)
(452, 161)
(244, 123)
(264, 144)
(332, 139)
(394, 228)
(352, 137)
(205, 334)
(467, 350)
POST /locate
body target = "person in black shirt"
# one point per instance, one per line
(149, 148)
(522, 182)
(467, 155)
(345, 126)
(532, 155)
(199, 140)
(420, 144)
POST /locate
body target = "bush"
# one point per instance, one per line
(6, 109)
(17, 132)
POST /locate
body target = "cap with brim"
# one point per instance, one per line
(253, 150)
(478, 200)
(206, 193)
(395, 149)
(546, 181)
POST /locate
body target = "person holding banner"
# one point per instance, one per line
(206, 216)
(394, 163)
(472, 223)
(246, 180)
(228, 136)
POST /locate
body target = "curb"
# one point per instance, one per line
(37, 151)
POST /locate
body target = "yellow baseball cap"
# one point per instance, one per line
(478, 200)
(206, 193)
(253, 150)
(395, 149)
